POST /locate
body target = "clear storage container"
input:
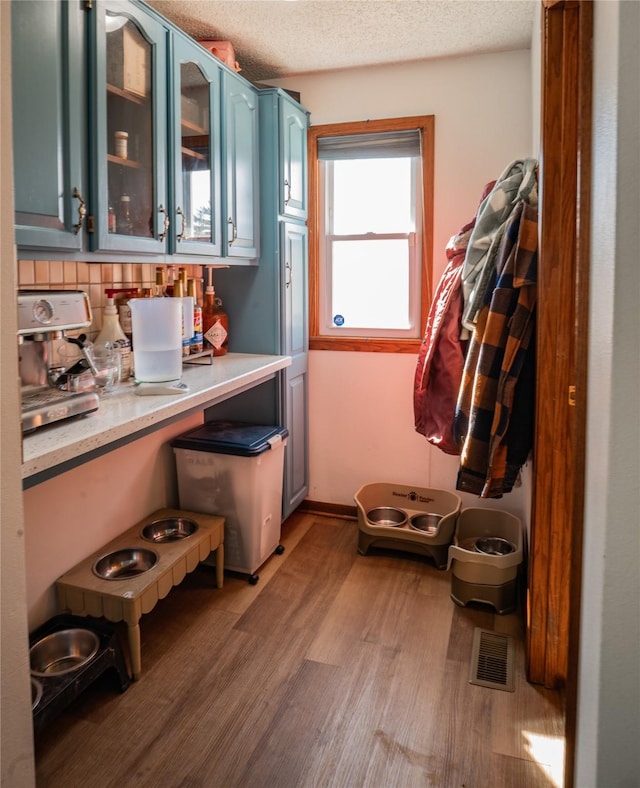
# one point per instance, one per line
(235, 470)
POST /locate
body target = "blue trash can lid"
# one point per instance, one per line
(230, 437)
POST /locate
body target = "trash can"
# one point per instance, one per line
(235, 470)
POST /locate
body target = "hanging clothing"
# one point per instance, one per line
(493, 430)
(517, 183)
(441, 356)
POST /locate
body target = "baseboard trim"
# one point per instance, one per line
(329, 509)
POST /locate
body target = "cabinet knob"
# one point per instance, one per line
(82, 211)
(287, 199)
(289, 274)
(166, 224)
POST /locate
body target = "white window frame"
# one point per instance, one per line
(325, 268)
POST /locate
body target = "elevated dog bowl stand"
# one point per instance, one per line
(59, 690)
(83, 593)
(412, 501)
(482, 577)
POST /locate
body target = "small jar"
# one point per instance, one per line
(121, 140)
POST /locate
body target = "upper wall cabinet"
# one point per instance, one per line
(159, 160)
(241, 230)
(49, 124)
(128, 158)
(294, 122)
(196, 208)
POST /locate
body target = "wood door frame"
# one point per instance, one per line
(555, 572)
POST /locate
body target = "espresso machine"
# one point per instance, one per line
(43, 317)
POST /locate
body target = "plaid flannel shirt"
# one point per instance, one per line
(494, 413)
(518, 182)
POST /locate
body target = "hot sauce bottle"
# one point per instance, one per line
(215, 322)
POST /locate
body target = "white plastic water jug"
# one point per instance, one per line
(156, 325)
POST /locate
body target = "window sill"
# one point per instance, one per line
(365, 345)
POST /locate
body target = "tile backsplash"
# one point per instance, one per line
(94, 279)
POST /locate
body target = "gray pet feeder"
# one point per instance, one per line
(412, 519)
(485, 558)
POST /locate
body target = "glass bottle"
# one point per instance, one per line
(215, 323)
(178, 293)
(125, 223)
(159, 288)
(112, 219)
(171, 276)
(196, 339)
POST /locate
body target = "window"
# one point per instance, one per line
(370, 231)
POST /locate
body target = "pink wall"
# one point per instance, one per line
(70, 516)
(361, 406)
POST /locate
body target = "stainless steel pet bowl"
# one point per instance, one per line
(169, 529)
(36, 692)
(386, 515)
(494, 545)
(62, 652)
(125, 563)
(427, 523)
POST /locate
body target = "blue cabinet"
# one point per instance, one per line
(49, 128)
(196, 223)
(241, 227)
(295, 330)
(131, 139)
(268, 305)
(128, 122)
(294, 122)
(287, 183)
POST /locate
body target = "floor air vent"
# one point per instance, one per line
(492, 660)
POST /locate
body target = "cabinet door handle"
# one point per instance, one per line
(183, 225)
(289, 274)
(82, 211)
(166, 224)
(287, 199)
(234, 230)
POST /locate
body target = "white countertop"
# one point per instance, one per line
(122, 413)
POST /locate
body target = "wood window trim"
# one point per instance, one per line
(426, 125)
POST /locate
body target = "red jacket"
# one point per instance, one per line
(441, 356)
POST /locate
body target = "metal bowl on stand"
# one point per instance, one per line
(494, 545)
(169, 529)
(427, 523)
(63, 651)
(126, 563)
(386, 515)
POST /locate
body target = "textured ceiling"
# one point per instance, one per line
(278, 38)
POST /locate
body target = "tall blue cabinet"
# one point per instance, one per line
(268, 305)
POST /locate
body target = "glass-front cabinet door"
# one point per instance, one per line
(196, 212)
(131, 212)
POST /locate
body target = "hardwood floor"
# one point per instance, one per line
(336, 669)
